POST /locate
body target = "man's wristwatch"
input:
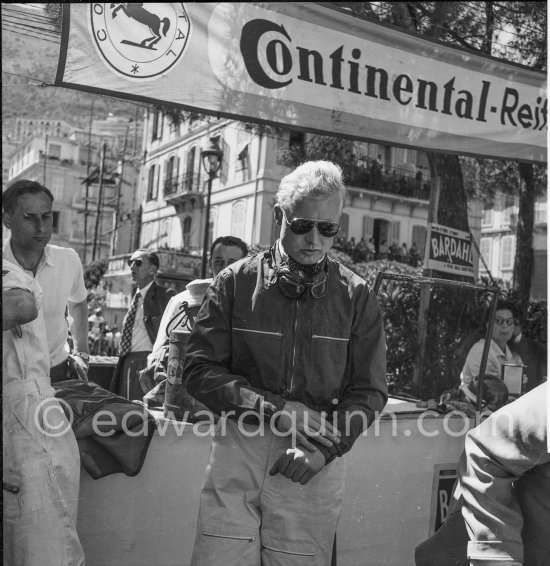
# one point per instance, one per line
(83, 356)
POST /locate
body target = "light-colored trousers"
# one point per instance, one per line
(248, 517)
(42, 462)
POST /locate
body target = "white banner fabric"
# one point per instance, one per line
(309, 67)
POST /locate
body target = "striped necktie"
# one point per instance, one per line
(128, 325)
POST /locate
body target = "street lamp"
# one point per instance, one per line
(211, 157)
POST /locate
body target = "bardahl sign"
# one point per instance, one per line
(308, 66)
(449, 250)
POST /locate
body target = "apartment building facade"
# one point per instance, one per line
(173, 196)
(498, 242)
(174, 188)
(95, 227)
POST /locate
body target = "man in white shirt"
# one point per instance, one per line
(141, 323)
(28, 214)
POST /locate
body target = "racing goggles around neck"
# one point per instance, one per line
(304, 225)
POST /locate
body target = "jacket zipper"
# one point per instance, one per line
(288, 552)
(330, 338)
(232, 537)
(259, 332)
(294, 347)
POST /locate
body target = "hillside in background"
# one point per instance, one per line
(36, 59)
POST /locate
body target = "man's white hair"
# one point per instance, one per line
(317, 180)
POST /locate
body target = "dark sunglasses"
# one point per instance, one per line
(138, 262)
(304, 225)
(507, 321)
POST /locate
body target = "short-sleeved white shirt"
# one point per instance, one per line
(61, 277)
(25, 352)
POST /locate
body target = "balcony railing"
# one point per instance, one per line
(185, 183)
(392, 180)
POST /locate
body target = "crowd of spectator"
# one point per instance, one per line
(103, 340)
(367, 250)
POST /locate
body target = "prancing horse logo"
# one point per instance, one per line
(140, 41)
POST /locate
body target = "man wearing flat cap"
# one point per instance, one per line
(141, 323)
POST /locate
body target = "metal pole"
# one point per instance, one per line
(87, 194)
(45, 159)
(253, 239)
(206, 225)
(485, 353)
(100, 194)
(118, 196)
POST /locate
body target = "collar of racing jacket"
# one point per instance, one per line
(293, 283)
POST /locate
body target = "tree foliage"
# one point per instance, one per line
(94, 272)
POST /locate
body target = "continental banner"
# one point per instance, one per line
(449, 250)
(306, 66)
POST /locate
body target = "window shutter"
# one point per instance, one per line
(151, 182)
(394, 231)
(224, 171)
(157, 182)
(344, 225)
(506, 257)
(419, 237)
(368, 224)
(485, 248)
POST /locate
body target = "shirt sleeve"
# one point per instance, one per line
(78, 291)
(498, 453)
(472, 363)
(161, 339)
(13, 277)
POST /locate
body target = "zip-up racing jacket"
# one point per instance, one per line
(253, 348)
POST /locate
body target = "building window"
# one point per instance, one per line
(507, 252)
(54, 151)
(243, 163)
(540, 215)
(187, 223)
(170, 180)
(485, 249)
(368, 226)
(152, 183)
(55, 222)
(395, 232)
(487, 219)
(419, 238)
(158, 120)
(508, 210)
(56, 187)
(190, 169)
(344, 226)
(296, 140)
